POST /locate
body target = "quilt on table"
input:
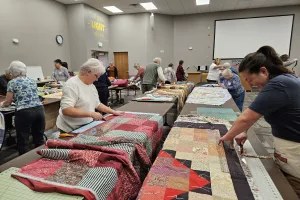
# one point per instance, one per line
(174, 92)
(193, 166)
(185, 88)
(106, 162)
(223, 113)
(209, 96)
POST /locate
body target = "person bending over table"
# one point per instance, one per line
(60, 73)
(4, 79)
(80, 99)
(232, 83)
(140, 73)
(112, 70)
(153, 71)
(279, 102)
(287, 61)
(214, 71)
(30, 114)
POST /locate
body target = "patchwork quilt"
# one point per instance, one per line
(193, 166)
(224, 113)
(109, 161)
(209, 96)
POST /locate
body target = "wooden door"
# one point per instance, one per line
(121, 62)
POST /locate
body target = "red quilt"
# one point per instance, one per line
(106, 162)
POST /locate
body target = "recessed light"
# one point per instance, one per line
(202, 2)
(149, 6)
(113, 9)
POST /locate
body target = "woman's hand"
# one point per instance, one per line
(1, 104)
(241, 138)
(118, 113)
(96, 116)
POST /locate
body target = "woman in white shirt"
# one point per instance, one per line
(80, 98)
(214, 71)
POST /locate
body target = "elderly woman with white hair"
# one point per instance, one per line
(30, 114)
(232, 82)
(152, 72)
(228, 66)
(80, 98)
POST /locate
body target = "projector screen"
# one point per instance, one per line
(235, 38)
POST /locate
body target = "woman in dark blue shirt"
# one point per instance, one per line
(279, 102)
(102, 85)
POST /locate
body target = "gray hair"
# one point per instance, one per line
(227, 72)
(7, 72)
(92, 65)
(17, 68)
(136, 65)
(157, 60)
(226, 65)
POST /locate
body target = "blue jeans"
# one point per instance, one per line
(239, 100)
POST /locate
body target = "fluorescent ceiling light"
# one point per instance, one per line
(149, 6)
(113, 9)
(202, 2)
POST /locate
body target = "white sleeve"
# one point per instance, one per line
(69, 97)
(161, 74)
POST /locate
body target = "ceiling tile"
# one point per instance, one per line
(229, 4)
(243, 4)
(176, 6)
(203, 9)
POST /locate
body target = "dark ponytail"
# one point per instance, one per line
(267, 57)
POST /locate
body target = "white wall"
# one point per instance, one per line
(35, 23)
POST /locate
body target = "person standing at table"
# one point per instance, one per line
(4, 79)
(60, 73)
(170, 74)
(80, 98)
(232, 83)
(112, 70)
(102, 85)
(30, 114)
(279, 103)
(228, 66)
(153, 71)
(214, 71)
(140, 73)
(180, 74)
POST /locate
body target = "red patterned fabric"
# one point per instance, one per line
(106, 162)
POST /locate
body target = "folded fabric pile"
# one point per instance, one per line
(109, 161)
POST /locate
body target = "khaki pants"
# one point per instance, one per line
(287, 156)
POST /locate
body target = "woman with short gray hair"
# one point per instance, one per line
(30, 114)
(80, 98)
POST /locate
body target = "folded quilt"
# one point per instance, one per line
(109, 161)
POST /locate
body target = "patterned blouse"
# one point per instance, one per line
(233, 85)
(180, 73)
(25, 92)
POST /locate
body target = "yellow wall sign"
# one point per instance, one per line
(97, 26)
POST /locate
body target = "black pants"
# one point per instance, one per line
(30, 120)
(103, 95)
(147, 87)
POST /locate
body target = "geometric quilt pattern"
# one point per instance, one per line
(192, 166)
